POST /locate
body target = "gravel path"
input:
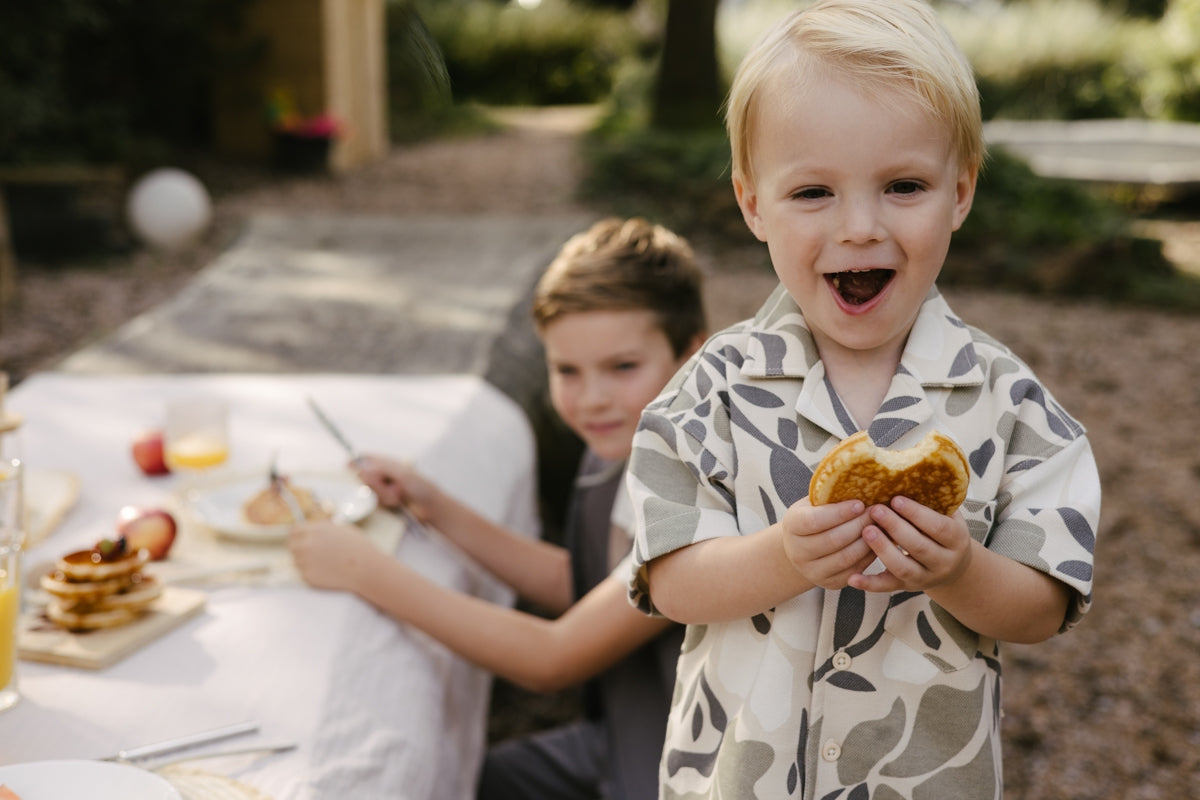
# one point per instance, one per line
(1111, 710)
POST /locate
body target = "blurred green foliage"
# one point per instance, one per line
(556, 53)
(82, 81)
(1049, 236)
(1080, 59)
(679, 179)
(1051, 59)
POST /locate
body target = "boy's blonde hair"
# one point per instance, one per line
(886, 46)
(626, 265)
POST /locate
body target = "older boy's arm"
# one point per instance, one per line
(542, 655)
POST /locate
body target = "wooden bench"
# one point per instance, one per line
(39, 175)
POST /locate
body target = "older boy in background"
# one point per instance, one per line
(618, 311)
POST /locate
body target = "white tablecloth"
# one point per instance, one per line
(375, 708)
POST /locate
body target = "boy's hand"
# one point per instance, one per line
(825, 543)
(396, 483)
(331, 556)
(920, 548)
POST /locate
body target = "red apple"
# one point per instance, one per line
(148, 452)
(150, 528)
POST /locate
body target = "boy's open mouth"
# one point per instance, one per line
(858, 286)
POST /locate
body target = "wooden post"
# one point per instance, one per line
(329, 56)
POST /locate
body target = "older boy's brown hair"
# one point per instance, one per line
(626, 265)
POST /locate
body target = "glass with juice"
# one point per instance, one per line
(12, 537)
(196, 434)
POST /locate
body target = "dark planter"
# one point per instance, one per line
(300, 154)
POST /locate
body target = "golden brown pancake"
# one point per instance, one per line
(268, 506)
(934, 473)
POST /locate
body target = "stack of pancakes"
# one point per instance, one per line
(94, 589)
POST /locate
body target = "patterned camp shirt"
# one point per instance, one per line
(847, 694)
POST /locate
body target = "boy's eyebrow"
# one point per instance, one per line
(622, 355)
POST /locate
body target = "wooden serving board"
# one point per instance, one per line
(39, 639)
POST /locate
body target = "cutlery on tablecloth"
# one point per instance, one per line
(334, 430)
(285, 492)
(336, 433)
(182, 742)
(265, 749)
(203, 573)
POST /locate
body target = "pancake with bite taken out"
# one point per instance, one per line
(933, 472)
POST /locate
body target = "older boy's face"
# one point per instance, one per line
(605, 367)
(856, 199)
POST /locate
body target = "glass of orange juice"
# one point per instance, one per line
(12, 537)
(196, 433)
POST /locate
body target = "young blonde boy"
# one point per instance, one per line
(841, 651)
(618, 311)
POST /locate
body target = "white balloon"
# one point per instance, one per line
(168, 208)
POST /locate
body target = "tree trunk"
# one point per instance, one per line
(688, 92)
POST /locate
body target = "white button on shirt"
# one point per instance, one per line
(831, 751)
(842, 660)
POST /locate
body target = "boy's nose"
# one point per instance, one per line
(859, 222)
(595, 392)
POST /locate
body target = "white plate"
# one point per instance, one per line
(219, 505)
(95, 780)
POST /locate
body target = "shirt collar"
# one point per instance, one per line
(939, 350)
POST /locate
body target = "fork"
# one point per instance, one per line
(285, 492)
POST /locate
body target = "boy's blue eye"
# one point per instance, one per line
(625, 366)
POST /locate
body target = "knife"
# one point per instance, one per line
(333, 430)
(336, 433)
(182, 742)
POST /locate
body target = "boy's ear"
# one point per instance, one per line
(747, 200)
(964, 195)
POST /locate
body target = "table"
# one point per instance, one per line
(376, 709)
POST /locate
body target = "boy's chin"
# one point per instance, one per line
(610, 450)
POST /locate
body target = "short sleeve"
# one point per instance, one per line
(679, 496)
(1046, 518)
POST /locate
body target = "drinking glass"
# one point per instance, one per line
(196, 434)
(12, 538)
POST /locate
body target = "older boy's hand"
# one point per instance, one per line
(920, 548)
(396, 483)
(331, 556)
(825, 543)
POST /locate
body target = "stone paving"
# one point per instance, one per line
(361, 294)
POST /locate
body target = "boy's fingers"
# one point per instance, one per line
(913, 527)
(818, 519)
(879, 582)
(900, 562)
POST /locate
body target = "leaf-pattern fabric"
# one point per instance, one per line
(846, 694)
